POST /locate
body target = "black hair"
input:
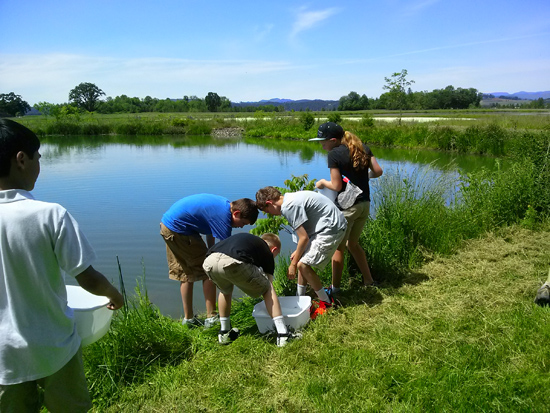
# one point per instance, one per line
(15, 138)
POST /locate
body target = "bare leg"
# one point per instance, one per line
(224, 304)
(186, 289)
(209, 291)
(301, 279)
(272, 304)
(337, 267)
(311, 276)
(361, 259)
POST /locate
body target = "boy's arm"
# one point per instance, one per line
(303, 240)
(96, 283)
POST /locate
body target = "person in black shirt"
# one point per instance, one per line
(248, 262)
(349, 157)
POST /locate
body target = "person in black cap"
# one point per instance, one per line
(349, 157)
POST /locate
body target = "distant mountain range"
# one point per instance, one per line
(522, 95)
(289, 104)
(319, 104)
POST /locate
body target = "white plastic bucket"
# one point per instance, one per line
(329, 193)
(92, 317)
(295, 313)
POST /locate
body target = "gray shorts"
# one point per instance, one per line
(226, 272)
(321, 247)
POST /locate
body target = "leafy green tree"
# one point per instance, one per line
(307, 120)
(213, 102)
(45, 108)
(12, 105)
(353, 102)
(86, 96)
(397, 85)
(334, 117)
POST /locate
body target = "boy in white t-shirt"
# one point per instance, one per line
(320, 227)
(39, 345)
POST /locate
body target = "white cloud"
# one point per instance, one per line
(50, 77)
(306, 20)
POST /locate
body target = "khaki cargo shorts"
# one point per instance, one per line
(226, 272)
(321, 247)
(185, 255)
(356, 217)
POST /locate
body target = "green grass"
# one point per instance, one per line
(458, 334)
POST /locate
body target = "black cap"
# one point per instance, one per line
(329, 130)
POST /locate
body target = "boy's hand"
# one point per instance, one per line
(291, 271)
(116, 301)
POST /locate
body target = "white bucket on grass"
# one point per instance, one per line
(295, 312)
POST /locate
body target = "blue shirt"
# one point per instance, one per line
(200, 214)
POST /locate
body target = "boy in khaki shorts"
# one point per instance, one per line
(248, 262)
(181, 228)
(320, 227)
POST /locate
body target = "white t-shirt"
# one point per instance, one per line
(38, 240)
(315, 212)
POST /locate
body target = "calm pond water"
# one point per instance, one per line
(118, 190)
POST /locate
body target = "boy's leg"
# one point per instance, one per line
(186, 289)
(22, 397)
(338, 266)
(66, 390)
(310, 276)
(224, 304)
(301, 285)
(272, 304)
(209, 291)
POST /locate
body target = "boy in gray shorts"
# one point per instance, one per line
(320, 227)
(248, 262)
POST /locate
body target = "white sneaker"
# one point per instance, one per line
(212, 321)
(283, 339)
(228, 336)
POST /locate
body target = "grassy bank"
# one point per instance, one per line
(453, 326)
(460, 333)
(481, 133)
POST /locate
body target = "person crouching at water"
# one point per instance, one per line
(248, 262)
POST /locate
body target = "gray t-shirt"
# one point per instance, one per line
(312, 210)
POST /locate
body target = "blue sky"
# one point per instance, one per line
(252, 50)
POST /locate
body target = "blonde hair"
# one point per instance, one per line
(359, 158)
(272, 240)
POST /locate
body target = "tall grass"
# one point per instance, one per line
(140, 342)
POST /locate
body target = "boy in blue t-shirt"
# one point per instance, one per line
(181, 227)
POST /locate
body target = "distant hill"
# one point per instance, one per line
(523, 95)
(297, 105)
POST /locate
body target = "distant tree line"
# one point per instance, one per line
(448, 98)
(399, 96)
